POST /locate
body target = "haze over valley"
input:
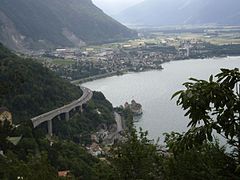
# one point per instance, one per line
(182, 12)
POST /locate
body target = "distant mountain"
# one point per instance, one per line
(180, 12)
(28, 89)
(36, 24)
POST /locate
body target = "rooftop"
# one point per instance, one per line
(63, 173)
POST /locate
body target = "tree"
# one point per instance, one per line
(203, 161)
(34, 168)
(212, 105)
(6, 130)
(137, 158)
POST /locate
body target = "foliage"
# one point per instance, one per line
(28, 89)
(69, 156)
(97, 112)
(6, 130)
(127, 115)
(213, 105)
(34, 168)
(35, 158)
(4, 52)
(202, 161)
(104, 170)
(137, 158)
(39, 90)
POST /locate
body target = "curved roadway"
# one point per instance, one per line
(87, 95)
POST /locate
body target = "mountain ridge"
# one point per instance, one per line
(182, 12)
(43, 24)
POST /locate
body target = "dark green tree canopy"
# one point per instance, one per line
(212, 105)
(137, 158)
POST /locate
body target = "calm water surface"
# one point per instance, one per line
(154, 89)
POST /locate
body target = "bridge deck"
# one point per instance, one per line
(87, 95)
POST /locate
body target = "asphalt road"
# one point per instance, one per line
(87, 95)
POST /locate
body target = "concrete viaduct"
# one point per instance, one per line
(49, 116)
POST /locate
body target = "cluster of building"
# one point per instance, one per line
(103, 139)
(132, 56)
(105, 61)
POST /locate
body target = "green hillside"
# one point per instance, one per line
(37, 24)
(29, 89)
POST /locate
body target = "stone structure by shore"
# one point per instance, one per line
(135, 107)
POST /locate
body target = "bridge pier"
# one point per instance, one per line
(67, 117)
(66, 110)
(50, 131)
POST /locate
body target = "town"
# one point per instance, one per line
(148, 52)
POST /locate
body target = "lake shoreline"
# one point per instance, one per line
(154, 89)
(126, 71)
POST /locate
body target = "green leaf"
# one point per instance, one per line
(176, 94)
(211, 78)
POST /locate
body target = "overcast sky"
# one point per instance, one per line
(112, 7)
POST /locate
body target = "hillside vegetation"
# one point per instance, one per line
(37, 24)
(28, 89)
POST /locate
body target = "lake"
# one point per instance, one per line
(153, 89)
